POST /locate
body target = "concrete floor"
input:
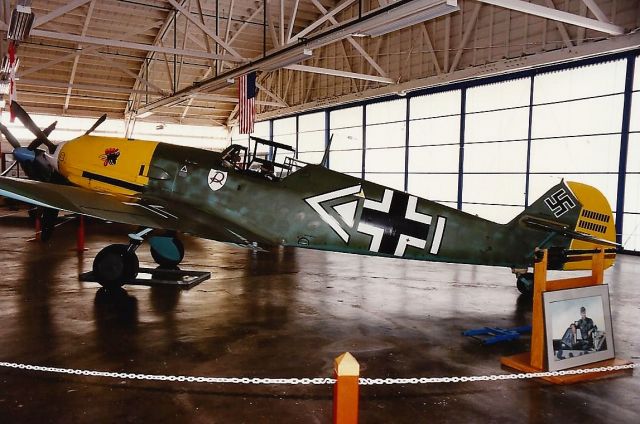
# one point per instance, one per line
(282, 314)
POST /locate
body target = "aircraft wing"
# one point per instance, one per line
(140, 211)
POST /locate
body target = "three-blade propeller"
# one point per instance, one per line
(36, 163)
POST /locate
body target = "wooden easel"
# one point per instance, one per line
(533, 361)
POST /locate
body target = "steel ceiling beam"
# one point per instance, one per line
(129, 45)
(58, 12)
(557, 15)
(338, 73)
(323, 38)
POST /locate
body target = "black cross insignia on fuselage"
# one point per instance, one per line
(394, 223)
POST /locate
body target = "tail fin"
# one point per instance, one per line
(576, 216)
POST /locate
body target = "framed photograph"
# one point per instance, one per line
(578, 326)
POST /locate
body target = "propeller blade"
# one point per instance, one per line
(50, 128)
(10, 138)
(37, 142)
(6, 171)
(41, 137)
(97, 124)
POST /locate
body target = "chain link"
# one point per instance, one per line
(310, 381)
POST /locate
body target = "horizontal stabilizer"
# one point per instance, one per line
(564, 230)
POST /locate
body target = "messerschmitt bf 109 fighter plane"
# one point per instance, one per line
(238, 197)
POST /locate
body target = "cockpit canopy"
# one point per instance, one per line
(270, 166)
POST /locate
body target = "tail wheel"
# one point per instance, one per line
(167, 252)
(525, 284)
(114, 265)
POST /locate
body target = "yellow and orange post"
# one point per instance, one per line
(346, 392)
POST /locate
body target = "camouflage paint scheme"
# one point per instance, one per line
(192, 190)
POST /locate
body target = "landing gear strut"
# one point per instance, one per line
(115, 264)
(118, 263)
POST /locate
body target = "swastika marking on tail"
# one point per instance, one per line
(560, 203)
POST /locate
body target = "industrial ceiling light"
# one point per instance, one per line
(281, 62)
(399, 18)
(5, 73)
(20, 24)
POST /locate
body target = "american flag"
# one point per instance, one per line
(247, 102)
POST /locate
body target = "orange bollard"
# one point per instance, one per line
(80, 235)
(346, 391)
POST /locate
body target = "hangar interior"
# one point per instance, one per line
(480, 105)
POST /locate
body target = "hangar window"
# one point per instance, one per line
(631, 219)
(284, 132)
(495, 149)
(575, 131)
(385, 143)
(311, 137)
(346, 146)
(434, 146)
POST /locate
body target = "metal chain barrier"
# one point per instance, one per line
(310, 381)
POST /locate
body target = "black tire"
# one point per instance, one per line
(525, 284)
(166, 262)
(115, 265)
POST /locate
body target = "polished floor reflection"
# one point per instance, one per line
(287, 313)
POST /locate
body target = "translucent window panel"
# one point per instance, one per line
(346, 161)
(631, 232)
(286, 126)
(539, 184)
(634, 124)
(636, 76)
(438, 104)
(505, 94)
(434, 159)
(499, 214)
(392, 180)
(586, 81)
(632, 193)
(312, 141)
(577, 154)
(261, 129)
(386, 135)
(633, 154)
(511, 124)
(346, 150)
(311, 157)
(384, 160)
(496, 189)
(311, 122)
(506, 156)
(394, 110)
(346, 139)
(434, 131)
(343, 118)
(590, 116)
(436, 187)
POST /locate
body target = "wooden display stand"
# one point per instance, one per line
(534, 361)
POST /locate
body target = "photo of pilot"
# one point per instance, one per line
(582, 336)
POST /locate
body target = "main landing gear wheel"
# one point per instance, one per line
(167, 252)
(114, 265)
(525, 284)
